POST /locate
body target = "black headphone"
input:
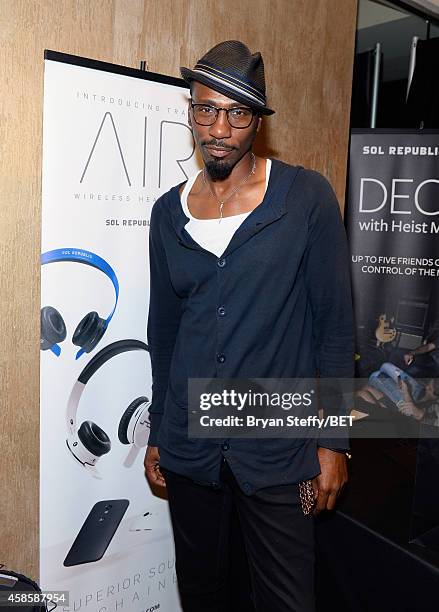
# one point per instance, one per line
(88, 443)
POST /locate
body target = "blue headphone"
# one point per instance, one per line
(92, 327)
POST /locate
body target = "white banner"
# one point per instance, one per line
(113, 142)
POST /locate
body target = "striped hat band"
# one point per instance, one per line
(231, 69)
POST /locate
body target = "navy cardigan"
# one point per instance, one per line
(276, 304)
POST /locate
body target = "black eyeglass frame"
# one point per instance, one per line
(218, 109)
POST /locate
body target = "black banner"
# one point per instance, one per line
(393, 228)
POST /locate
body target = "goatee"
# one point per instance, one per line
(218, 170)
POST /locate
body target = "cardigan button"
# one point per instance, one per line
(221, 262)
(220, 358)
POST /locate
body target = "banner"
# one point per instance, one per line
(393, 230)
(114, 139)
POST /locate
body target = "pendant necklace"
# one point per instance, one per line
(232, 193)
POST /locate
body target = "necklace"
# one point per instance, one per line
(232, 193)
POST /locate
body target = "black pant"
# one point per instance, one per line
(279, 542)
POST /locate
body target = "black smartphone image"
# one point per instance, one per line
(97, 532)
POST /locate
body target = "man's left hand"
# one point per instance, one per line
(332, 478)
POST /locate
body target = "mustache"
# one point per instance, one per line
(217, 143)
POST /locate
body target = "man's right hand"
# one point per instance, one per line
(152, 468)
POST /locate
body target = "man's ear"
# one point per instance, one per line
(259, 124)
(189, 114)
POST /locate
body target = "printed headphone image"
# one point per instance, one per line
(92, 327)
(88, 443)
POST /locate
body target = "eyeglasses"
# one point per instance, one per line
(238, 117)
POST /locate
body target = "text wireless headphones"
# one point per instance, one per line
(92, 327)
(90, 442)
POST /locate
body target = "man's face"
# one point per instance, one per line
(220, 144)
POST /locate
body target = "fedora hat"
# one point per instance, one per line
(231, 69)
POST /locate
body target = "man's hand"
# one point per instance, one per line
(332, 478)
(152, 469)
(409, 408)
(408, 358)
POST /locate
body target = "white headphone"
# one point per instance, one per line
(88, 443)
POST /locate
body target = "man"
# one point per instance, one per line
(424, 360)
(249, 278)
(421, 362)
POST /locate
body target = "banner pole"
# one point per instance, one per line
(375, 86)
(412, 63)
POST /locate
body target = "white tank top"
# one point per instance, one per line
(210, 233)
